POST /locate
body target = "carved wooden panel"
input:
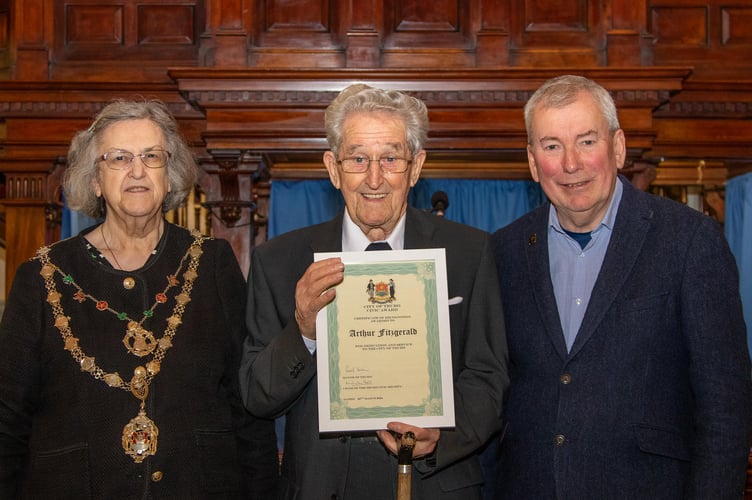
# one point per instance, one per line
(148, 30)
(558, 32)
(24, 186)
(680, 26)
(307, 15)
(711, 35)
(438, 33)
(735, 26)
(304, 33)
(4, 25)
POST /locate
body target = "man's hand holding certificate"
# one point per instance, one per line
(383, 350)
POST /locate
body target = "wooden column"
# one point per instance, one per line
(363, 36)
(32, 209)
(31, 39)
(492, 40)
(228, 181)
(226, 41)
(628, 41)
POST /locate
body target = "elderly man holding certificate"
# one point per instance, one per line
(431, 305)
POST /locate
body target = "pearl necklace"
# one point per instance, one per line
(139, 439)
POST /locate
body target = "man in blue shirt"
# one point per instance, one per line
(628, 361)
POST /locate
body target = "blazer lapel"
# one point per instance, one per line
(630, 229)
(419, 229)
(328, 236)
(536, 246)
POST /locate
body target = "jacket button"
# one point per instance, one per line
(295, 370)
(565, 378)
(156, 476)
(559, 439)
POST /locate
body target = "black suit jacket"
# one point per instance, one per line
(278, 372)
(654, 399)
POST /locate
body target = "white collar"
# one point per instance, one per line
(354, 240)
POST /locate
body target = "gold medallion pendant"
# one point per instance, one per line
(140, 437)
(138, 340)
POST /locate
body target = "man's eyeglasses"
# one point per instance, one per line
(360, 164)
(123, 160)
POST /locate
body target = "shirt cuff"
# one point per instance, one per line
(310, 344)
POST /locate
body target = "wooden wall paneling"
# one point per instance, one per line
(713, 138)
(717, 116)
(470, 109)
(429, 33)
(30, 20)
(226, 39)
(32, 206)
(492, 35)
(143, 37)
(26, 223)
(4, 37)
(363, 32)
(627, 41)
(300, 34)
(558, 33)
(711, 35)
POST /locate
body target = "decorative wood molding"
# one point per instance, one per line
(470, 109)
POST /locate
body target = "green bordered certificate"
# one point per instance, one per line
(383, 346)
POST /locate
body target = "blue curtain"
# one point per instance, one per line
(74, 222)
(738, 227)
(296, 204)
(485, 204)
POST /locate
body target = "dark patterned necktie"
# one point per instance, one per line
(378, 245)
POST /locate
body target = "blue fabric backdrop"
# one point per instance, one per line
(738, 227)
(73, 222)
(485, 204)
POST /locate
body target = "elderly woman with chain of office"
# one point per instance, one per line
(121, 344)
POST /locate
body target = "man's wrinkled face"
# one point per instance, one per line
(375, 200)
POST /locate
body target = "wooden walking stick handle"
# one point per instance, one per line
(405, 465)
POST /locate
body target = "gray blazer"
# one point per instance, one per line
(278, 374)
(654, 399)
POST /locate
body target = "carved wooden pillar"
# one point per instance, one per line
(226, 41)
(492, 45)
(228, 182)
(32, 211)
(627, 39)
(32, 46)
(363, 36)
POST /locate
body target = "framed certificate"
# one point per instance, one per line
(383, 345)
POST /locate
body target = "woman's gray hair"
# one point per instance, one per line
(563, 91)
(83, 153)
(363, 98)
